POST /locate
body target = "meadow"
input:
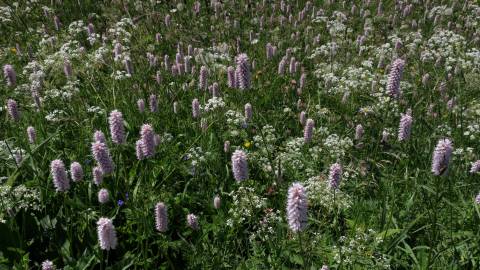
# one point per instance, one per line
(241, 134)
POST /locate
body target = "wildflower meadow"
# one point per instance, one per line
(240, 134)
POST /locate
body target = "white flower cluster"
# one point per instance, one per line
(235, 120)
(196, 156)
(120, 75)
(320, 195)
(16, 199)
(96, 110)
(265, 141)
(76, 27)
(246, 204)
(265, 145)
(216, 57)
(443, 130)
(328, 49)
(448, 46)
(265, 229)
(440, 10)
(353, 79)
(336, 27)
(464, 154)
(213, 104)
(9, 153)
(5, 14)
(336, 146)
(55, 116)
(65, 93)
(361, 249)
(292, 157)
(34, 71)
(120, 31)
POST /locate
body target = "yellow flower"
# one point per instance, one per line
(247, 144)
(13, 50)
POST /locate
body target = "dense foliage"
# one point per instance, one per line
(240, 134)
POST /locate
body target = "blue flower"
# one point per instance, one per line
(120, 203)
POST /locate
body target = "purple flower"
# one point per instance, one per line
(166, 62)
(215, 89)
(303, 118)
(161, 217)
(217, 202)
(168, 20)
(10, 75)
(59, 175)
(116, 127)
(394, 77)
(141, 105)
(153, 103)
(139, 150)
(67, 68)
(98, 136)
(56, 22)
(32, 135)
(120, 203)
(107, 236)
(441, 156)
(226, 146)
(202, 80)
(269, 49)
(102, 156)
(117, 51)
(475, 167)
(97, 176)
(192, 221)
(76, 171)
(242, 72)
(195, 108)
(248, 111)
(291, 68)
(281, 66)
(48, 265)
(335, 175)
(477, 199)
(196, 7)
(385, 136)
(158, 76)
(308, 130)
(231, 77)
(425, 79)
(239, 165)
(90, 29)
(12, 109)
(103, 196)
(303, 78)
(175, 107)
(128, 66)
(203, 124)
(405, 127)
(359, 131)
(148, 140)
(297, 206)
